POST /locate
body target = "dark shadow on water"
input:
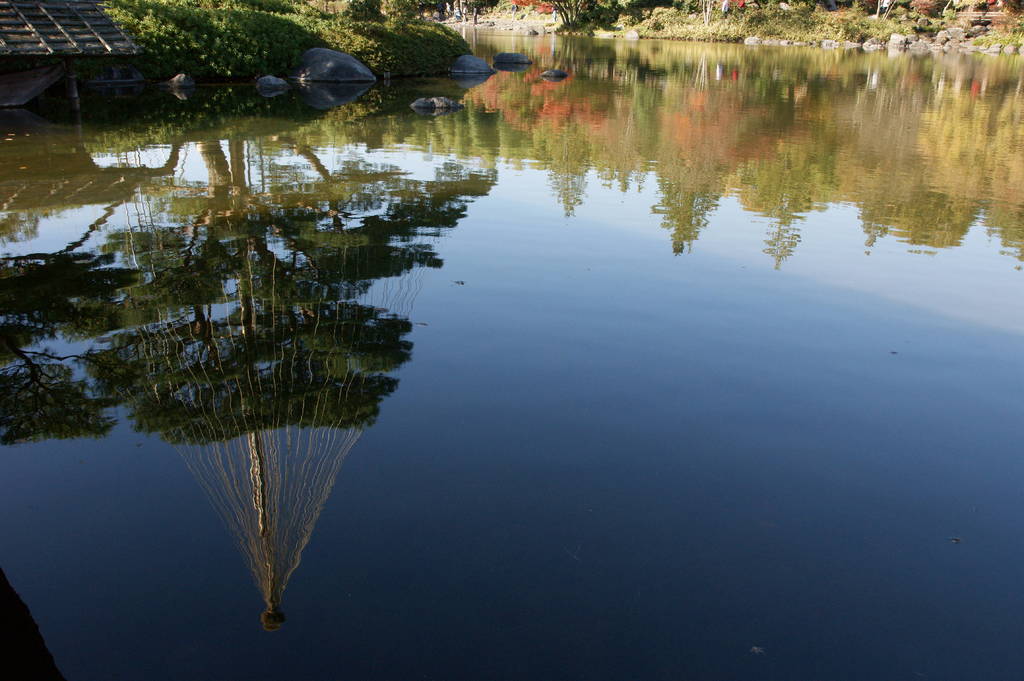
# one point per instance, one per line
(325, 96)
(27, 656)
(471, 81)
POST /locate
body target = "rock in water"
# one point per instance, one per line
(181, 81)
(752, 40)
(511, 58)
(435, 105)
(271, 86)
(631, 35)
(467, 63)
(554, 74)
(320, 65)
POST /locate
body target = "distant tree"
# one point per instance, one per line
(571, 12)
(402, 10)
(363, 10)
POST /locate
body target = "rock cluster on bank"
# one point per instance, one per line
(954, 39)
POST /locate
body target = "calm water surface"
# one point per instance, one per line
(703, 364)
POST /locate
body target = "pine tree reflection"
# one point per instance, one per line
(269, 329)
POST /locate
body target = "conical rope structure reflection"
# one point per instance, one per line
(267, 470)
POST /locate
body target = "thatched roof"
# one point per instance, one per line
(60, 28)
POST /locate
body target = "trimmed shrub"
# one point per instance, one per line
(247, 38)
(210, 43)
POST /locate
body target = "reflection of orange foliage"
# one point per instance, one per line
(526, 100)
(713, 125)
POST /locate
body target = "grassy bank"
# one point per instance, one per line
(797, 24)
(211, 39)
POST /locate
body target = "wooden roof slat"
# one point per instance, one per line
(33, 29)
(60, 28)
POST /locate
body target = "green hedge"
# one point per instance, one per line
(249, 38)
(411, 48)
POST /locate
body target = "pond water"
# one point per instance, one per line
(702, 364)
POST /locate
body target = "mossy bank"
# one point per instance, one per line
(214, 40)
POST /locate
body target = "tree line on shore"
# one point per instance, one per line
(731, 20)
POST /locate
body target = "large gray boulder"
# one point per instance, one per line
(511, 58)
(956, 33)
(321, 65)
(467, 63)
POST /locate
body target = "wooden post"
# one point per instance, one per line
(72, 84)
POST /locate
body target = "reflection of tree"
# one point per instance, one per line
(684, 212)
(258, 329)
(41, 297)
(267, 329)
(908, 142)
(263, 402)
(781, 242)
